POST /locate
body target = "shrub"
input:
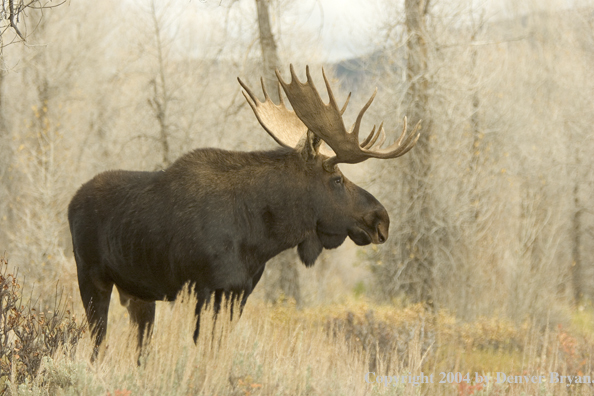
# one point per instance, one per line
(26, 335)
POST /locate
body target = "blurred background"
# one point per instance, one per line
(491, 212)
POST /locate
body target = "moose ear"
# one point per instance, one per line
(308, 146)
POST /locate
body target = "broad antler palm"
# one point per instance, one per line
(281, 123)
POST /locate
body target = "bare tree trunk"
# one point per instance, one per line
(161, 97)
(286, 263)
(269, 50)
(418, 259)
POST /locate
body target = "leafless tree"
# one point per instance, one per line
(417, 257)
(413, 271)
(285, 264)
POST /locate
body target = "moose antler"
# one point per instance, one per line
(282, 124)
(325, 121)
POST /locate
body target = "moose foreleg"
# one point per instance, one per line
(142, 313)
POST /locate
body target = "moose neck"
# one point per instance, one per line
(267, 196)
(279, 203)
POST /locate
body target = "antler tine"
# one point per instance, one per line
(330, 93)
(361, 113)
(307, 75)
(280, 94)
(346, 103)
(294, 75)
(382, 137)
(249, 92)
(283, 83)
(409, 146)
(380, 132)
(315, 90)
(398, 148)
(371, 135)
(266, 97)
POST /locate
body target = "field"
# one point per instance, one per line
(352, 348)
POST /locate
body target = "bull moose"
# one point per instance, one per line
(215, 217)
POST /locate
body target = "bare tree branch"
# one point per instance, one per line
(12, 13)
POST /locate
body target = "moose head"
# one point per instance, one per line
(343, 208)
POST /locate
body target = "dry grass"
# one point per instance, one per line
(327, 350)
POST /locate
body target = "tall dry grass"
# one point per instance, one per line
(328, 350)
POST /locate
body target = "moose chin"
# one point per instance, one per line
(214, 217)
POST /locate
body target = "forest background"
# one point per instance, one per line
(491, 214)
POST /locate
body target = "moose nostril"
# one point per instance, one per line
(380, 236)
